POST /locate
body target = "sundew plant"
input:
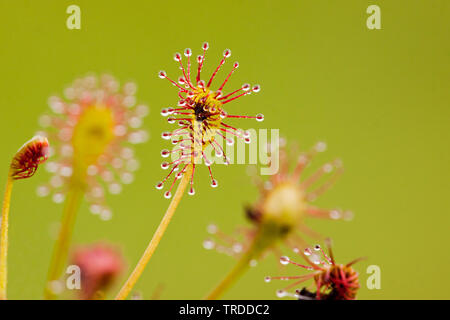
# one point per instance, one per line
(88, 140)
(269, 151)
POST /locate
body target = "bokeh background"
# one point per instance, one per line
(379, 98)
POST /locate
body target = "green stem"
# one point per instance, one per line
(62, 244)
(4, 238)
(257, 246)
(235, 273)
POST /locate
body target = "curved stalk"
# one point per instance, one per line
(235, 273)
(4, 238)
(62, 244)
(263, 239)
(157, 236)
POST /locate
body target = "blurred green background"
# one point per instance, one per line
(379, 98)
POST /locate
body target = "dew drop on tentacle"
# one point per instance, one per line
(162, 74)
(259, 117)
(43, 191)
(227, 53)
(135, 122)
(117, 163)
(208, 244)
(284, 260)
(171, 120)
(281, 293)
(58, 197)
(167, 194)
(218, 153)
(165, 165)
(165, 153)
(127, 177)
(219, 94)
(159, 185)
(132, 165)
(115, 188)
(130, 88)
(256, 88)
(212, 228)
(179, 175)
(229, 142)
(177, 57)
(348, 215)
(164, 112)
(335, 214)
(45, 121)
(307, 252)
(237, 248)
(320, 146)
(106, 214)
(95, 208)
(327, 168)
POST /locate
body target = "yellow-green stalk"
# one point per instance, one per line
(23, 165)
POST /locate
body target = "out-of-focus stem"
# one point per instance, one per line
(137, 272)
(253, 252)
(235, 273)
(4, 238)
(62, 244)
